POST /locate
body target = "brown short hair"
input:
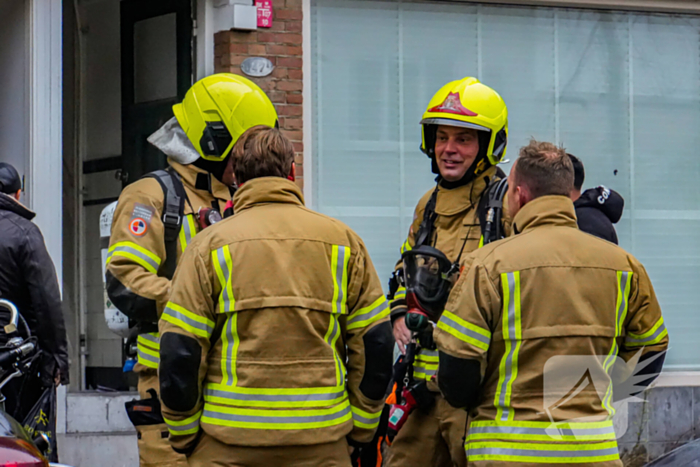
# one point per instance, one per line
(545, 169)
(262, 152)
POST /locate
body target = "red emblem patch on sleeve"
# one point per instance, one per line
(138, 227)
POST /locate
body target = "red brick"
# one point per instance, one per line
(222, 37)
(236, 59)
(294, 135)
(256, 49)
(298, 159)
(296, 74)
(293, 124)
(289, 110)
(300, 170)
(266, 85)
(288, 38)
(275, 49)
(288, 14)
(238, 48)
(277, 4)
(299, 147)
(267, 37)
(295, 99)
(277, 97)
(293, 4)
(294, 50)
(245, 37)
(277, 26)
(219, 68)
(292, 26)
(279, 73)
(220, 49)
(291, 86)
(225, 60)
(289, 62)
(235, 69)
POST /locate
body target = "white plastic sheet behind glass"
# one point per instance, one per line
(619, 90)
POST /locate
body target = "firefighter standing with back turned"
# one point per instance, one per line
(465, 131)
(276, 345)
(157, 216)
(541, 325)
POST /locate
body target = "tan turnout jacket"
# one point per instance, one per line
(546, 312)
(137, 250)
(292, 323)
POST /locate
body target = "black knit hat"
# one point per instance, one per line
(10, 181)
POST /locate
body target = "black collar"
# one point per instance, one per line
(8, 203)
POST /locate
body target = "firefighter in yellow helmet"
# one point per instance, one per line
(158, 215)
(465, 130)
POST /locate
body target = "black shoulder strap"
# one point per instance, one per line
(490, 209)
(427, 225)
(173, 210)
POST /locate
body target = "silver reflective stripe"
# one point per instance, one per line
(187, 226)
(511, 350)
(427, 353)
(179, 428)
(466, 331)
(187, 320)
(150, 338)
(144, 356)
(229, 346)
(271, 419)
(233, 395)
(563, 431)
(541, 453)
(362, 419)
(340, 279)
(646, 340)
(228, 301)
(365, 315)
(137, 253)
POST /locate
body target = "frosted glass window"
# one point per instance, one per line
(619, 90)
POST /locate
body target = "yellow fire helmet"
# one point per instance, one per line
(470, 104)
(218, 109)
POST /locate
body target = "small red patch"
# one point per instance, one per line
(138, 227)
(453, 105)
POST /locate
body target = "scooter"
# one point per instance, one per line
(17, 448)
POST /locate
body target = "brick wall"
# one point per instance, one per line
(281, 44)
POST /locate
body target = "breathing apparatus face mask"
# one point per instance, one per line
(428, 276)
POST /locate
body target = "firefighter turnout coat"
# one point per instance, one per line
(136, 255)
(549, 313)
(277, 331)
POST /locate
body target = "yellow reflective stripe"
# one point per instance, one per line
(542, 431)
(187, 231)
(340, 256)
(368, 315)
(276, 419)
(149, 339)
(427, 358)
(224, 270)
(185, 319)
(560, 453)
(147, 357)
(331, 339)
(187, 426)
(481, 241)
(136, 253)
(653, 336)
(400, 293)
(512, 337)
(465, 331)
(624, 280)
(426, 365)
(229, 355)
(274, 397)
(362, 419)
(406, 247)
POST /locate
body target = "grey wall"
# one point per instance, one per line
(14, 119)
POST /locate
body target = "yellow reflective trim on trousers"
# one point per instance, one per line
(426, 365)
(512, 337)
(221, 258)
(465, 331)
(274, 397)
(542, 453)
(362, 419)
(141, 256)
(185, 319)
(624, 280)
(541, 431)
(340, 256)
(229, 355)
(276, 419)
(187, 426)
(369, 315)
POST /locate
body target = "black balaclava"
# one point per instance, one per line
(216, 168)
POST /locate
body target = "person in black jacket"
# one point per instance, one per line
(28, 279)
(597, 209)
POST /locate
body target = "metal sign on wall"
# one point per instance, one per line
(264, 13)
(257, 66)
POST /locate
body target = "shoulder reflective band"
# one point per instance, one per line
(465, 331)
(331, 339)
(188, 426)
(624, 279)
(229, 355)
(264, 419)
(280, 398)
(362, 419)
(340, 255)
(368, 315)
(653, 336)
(541, 431)
(148, 348)
(425, 364)
(185, 319)
(560, 453)
(136, 253)
(512, 337)
(224, 269)
(400, 293)
(188, 231)
(406, 247)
